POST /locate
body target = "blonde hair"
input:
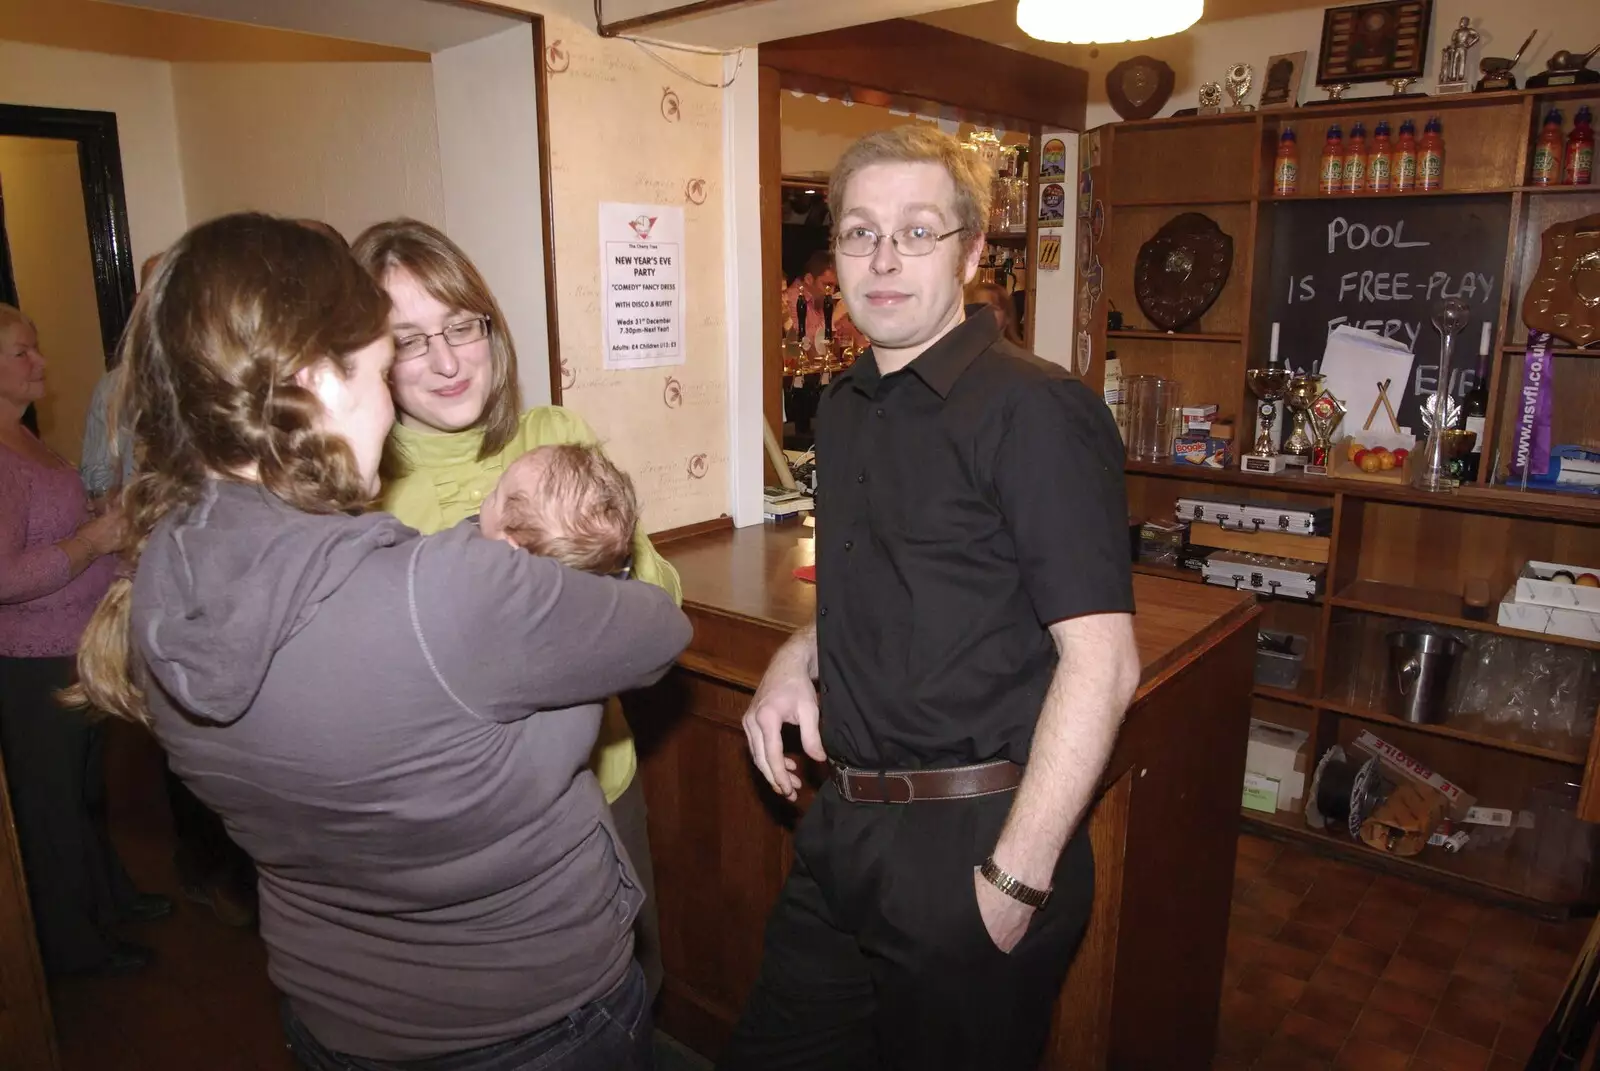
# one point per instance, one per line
(207, 371)
(447, 273)
(598, 509)
(11, 316)
(919, 143)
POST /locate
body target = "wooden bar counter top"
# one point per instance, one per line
(1144, 988)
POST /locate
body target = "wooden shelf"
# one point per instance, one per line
(1171, 572)
(1006, 236)
(1501, 874)
(1545, 505)
(1176, 336)
(1559, 351)
(1318, 195)
(1446, 731)
(1182, 202)
(1558, 189)
(1299, 696)
(1437, 607)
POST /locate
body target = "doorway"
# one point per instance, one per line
(70, 265)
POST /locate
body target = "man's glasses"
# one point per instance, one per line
(463, 333)
(908, 241)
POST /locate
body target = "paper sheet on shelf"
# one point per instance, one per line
(1354, 362)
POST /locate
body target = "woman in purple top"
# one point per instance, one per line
(55, 564)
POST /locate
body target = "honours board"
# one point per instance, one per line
(1384, 265)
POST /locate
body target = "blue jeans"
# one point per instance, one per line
(612, 1033)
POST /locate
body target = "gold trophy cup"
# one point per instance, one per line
(1303, 390)
(1270, 385)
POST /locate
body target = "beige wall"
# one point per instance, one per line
(348, 143)
(139, 91)
(49, 237)
(615, 137)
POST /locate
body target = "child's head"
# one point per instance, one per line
(568, 503)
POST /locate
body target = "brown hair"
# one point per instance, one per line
(994, 295)
(446, 272)
(599, 511)
(920, 143)
(232, 313)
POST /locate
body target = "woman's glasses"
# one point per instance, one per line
(461, 333)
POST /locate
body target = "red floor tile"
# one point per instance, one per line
(1357, 956)
(1423, 978)
(1452, 1054)
(1271, 986)
(1381, 1027)
(1360, 1055)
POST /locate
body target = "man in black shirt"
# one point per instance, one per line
(974, 655)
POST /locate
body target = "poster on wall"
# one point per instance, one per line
(1049, 258)
(1052, 204)
(641, 273)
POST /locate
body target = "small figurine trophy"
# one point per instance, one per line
(1325, 414)
(1453, 58)
(1433, 468)
(1210, 99)
(1303, 390)
(1237, 83)
(1270, 385)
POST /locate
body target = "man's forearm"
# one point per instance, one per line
(1071, 745)
(799, 651)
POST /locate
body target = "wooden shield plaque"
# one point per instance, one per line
(1181, 270)
(1138, 87)
(1564, 296)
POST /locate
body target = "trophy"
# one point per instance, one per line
(1303, 390)
(1210, 99)
(1453, 59)
(1566, 69)
(1433, 468)
(1325, 414)
(1497, 69)
(1270, 385)
(1335, 91)
(1237, 83)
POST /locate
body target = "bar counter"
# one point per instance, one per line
(1144, 989)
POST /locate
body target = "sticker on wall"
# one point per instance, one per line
(1094, 281)
(641, 269)
(1085, 195)
(1085, 344)
(672, 393)
(698, 467)
(1053, 204)
(1089, 150)
(1049, 252)
(1085, 252)
(1097, 224)
(569, 375)
(556, 59)
(670, 109)
(1085, 311)
(694, 191)
(1053, 159)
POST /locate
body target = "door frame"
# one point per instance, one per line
(105, 203)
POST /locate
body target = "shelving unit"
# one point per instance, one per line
(1394, 552)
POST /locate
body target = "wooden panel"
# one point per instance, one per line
(1206, 372)
(27, 1038)
(1279, 544)
(1150, 497)
(1136, 225)
(1218, 162)
(898, 56)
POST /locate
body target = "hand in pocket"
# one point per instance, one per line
(1007, 920)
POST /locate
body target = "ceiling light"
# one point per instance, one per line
(1081, 22)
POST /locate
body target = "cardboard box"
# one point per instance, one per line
(1260, 793)
(1532, 617)
(1281, 754)
(1203, 450)
(1535, 587)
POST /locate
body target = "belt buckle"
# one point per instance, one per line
(843, 774)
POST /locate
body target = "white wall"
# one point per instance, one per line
(347, 143)
(1206, 52)
(139, 91)
(49, 236)
(1053, 327)
(488, 121)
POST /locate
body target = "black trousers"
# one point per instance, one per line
(55, 767)
(206, 856)
(876, 956)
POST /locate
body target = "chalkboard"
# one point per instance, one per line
(1384, 265)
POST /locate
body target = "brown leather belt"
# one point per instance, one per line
(907, 786)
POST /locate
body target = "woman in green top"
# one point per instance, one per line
(457, 427)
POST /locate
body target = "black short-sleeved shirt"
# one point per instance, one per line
(966, 503)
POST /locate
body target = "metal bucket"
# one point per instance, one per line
(1420, 665)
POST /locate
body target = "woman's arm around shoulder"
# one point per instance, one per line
(552, 425)
(507, 633)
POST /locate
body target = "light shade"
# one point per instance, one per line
(1102, 22)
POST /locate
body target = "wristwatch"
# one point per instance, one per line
(1025, 894)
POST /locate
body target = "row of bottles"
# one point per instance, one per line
(1398, 165)
(1564, 161)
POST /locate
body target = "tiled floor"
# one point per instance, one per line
(1333, 966)
(1329, 966)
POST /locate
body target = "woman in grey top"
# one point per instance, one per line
(395, 727)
